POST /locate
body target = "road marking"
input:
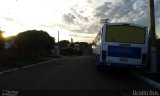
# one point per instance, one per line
(147, 80)
(7, 71)
(38, 63)
(14, 69)
(41, 63)
(28, 66)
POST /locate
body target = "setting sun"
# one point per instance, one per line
(5, 35)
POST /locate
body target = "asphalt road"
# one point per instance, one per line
(71, 73)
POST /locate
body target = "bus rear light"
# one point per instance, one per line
(144, 58)
(104, 55)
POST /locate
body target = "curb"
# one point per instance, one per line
(15, 69)
(147, 80)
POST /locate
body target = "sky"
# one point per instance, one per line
(77, 19)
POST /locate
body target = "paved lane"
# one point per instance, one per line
(70, 73)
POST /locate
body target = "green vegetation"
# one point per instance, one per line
(77, 48)
(1, 41)
(26, 48)
(35, 43)
(19, 62)
(70, 51)
(63, 44)
(33, 46)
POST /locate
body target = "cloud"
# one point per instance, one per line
(157, 9)
(121, 9)
(82, 36)
(78, 15)
(131, 11)
(77, 22)
(73, 35)
(7, 18)
(157, 16)
(102, 10)
(69, 18)
(89, 1)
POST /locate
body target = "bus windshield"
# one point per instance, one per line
(125, 34)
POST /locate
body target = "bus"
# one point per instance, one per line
(123, 45)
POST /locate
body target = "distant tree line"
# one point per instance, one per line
(76, 48)
(63, 44)
(34, 43)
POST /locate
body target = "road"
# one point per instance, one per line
(71, 73)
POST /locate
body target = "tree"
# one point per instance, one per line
(83, 44)
(64, 43)
(34, 40)
(86, 47)
(2, 43)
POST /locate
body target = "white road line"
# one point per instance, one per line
(37, 64)
(10, 70)
(41, 63)
(28, 66)
(147, 80)
(14, 69)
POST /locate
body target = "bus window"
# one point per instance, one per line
(125, 34)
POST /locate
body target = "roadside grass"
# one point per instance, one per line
(12, 63)
(11, 59)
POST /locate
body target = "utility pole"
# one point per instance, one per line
(58, 47)
(58, 36)
(153, 37)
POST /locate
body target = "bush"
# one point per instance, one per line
(8, 57)
(70, 51)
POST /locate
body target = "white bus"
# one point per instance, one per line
(121, 45)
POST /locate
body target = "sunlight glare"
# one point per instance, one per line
(5, 35)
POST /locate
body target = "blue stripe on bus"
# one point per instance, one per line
(128, 52)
